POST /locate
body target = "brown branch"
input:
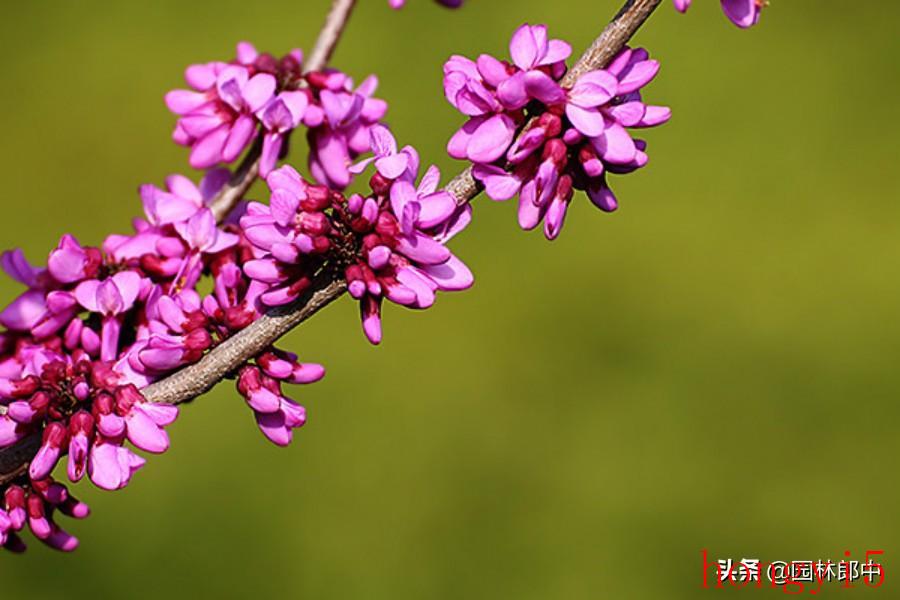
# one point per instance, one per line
(242, 179)
(190, 382)
(198, 378)
(331, 32)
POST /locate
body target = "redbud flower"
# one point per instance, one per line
(743, 13)
(217, 120)
(279, 116)
(182, 198)
(579, 133)
(339, 120)
(398, 4)
(276, 414)
(110, 298)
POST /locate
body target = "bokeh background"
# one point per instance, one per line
(714, 366)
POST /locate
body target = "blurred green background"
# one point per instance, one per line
(714, 366)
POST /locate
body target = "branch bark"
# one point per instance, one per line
(200, 377)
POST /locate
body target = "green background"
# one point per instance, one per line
(714, 366)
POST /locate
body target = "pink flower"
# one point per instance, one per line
(743, 13)
(279, 116)
(579, 135)
(388, 161)
(339, 123)
(110, 298)
(217, 118)
(276, 415)
(181, 199)
(111, 466)
(398, 4)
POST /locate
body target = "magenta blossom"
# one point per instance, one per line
(339, 121)
(111, 298)
(217, 120)
(743, 13)
(398, 4)
(182, 198)
(580, 133)
(260, 384)
(279, 116)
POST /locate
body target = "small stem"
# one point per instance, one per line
(330, 35)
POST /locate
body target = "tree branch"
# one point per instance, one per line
(245, 175)
(200, 377)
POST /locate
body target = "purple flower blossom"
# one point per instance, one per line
(279, 116)
(398, 4)
(390, 163)
(400, 232)
(339, 120)
(260, 384)
(217, 119)
(182, 198)
(579, 135)
(743, 13)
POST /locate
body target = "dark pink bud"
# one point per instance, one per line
(551, 123)
(238, 317)
(39, 402)
(14, 497)
(318, 198)
(104, 377)
(126, 397)
(34, 506)
(317, 79)
(249, 380)
(19, 388)
(321, 244)
(314, 223)
(104, 404)
(556, 151)
(387, 226)
(198, 340)
(564, 189)
(81, 422)
(380, 184)
(267, 63)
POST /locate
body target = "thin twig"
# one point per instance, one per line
(198, 378)
(224, 202)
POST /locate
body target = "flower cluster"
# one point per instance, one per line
(397, 4)
(98, 325)
(393, 240)
(231, 104)
(743, 13)
(578, 133)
